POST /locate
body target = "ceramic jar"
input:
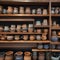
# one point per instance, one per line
(24, 28)
(4, 11)
(2, 54)
(6, 28)
(39, 11)
(41, 56)
(32, 37)
(57, 10)
(54, 23)
(19, 55)
(34, 55)
(21, 10)
(27, 56)
(46, 46)
(45, 12)
(12, 28)
(9, 10)
(9, 55)
(38, 31)
(38, 22)
(40, 46)
(10, 37)
(44, 37)
(38, 37)
(45, 22)
(18, 29)
(25, 37)
(53, 10)
(30, 29)
(27, 10)
(1, 28)
(54, 33)
(45, 30)
(33, 11)
(17, 37)
(15, 11)
(54, 38)
(1, 8)
(30, 26)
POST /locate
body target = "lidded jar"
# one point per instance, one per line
(27, 10)
(32, 37)
(9, 10)
(39, 11)
(27, 55)
(15, 11)
(40, 46)
(18, 55)
(9, 55)
(1, 8)
(21, 10)
(25, 37)
(45, 12)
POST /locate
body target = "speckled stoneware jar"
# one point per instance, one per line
(45, 12)
(32, 37)
(27, 10)
(21, 10)
(39, 11)
(15, 11)
(9, 10)
(40, 46)
(18, 55)
(1, 28)
(6, 28)
(18, 28)
(27, 56)
(9, 55)
(53, 10)
(2, 54)
(54, 38)
(1, 8)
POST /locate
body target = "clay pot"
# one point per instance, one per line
(21, 10)
(30, 29)
(38, 37)
(38, 30)
(17, 37)
(1, 28)
(9, 37)
(54, 38)
(32, 37)
(39, 11)
(9, 55)
(25, 37)
(10, 10)
(27, 10)
(38, 22)
(1, 8)
(19, 55)
(27, 56)
(45, 12)
(3, 37)
(18, 28)
(59, 33)
(45, 30)
(15, 11)
(44, 37)
(6, 28)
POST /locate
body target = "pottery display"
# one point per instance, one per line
(27, 10)
(17, 37)
(39, 11)
(9, 55)
(6, 28)
(54, 38)
(1, 28)
(1, 8)
(10, 37)
(21, 10)
(40, 46)
(19, 55)
(32, 37)
(15, 11)
(45, 12)
(9, 10)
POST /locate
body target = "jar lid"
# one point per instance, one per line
(27, 53)
(9, 53)
(19, 53)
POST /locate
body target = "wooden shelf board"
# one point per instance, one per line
(55, 42)
(19, 33)
(21, 15)
(55, 28)
(55, 15)
(42, 50)
(24, 41)
(55, 50)
(16, 20)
